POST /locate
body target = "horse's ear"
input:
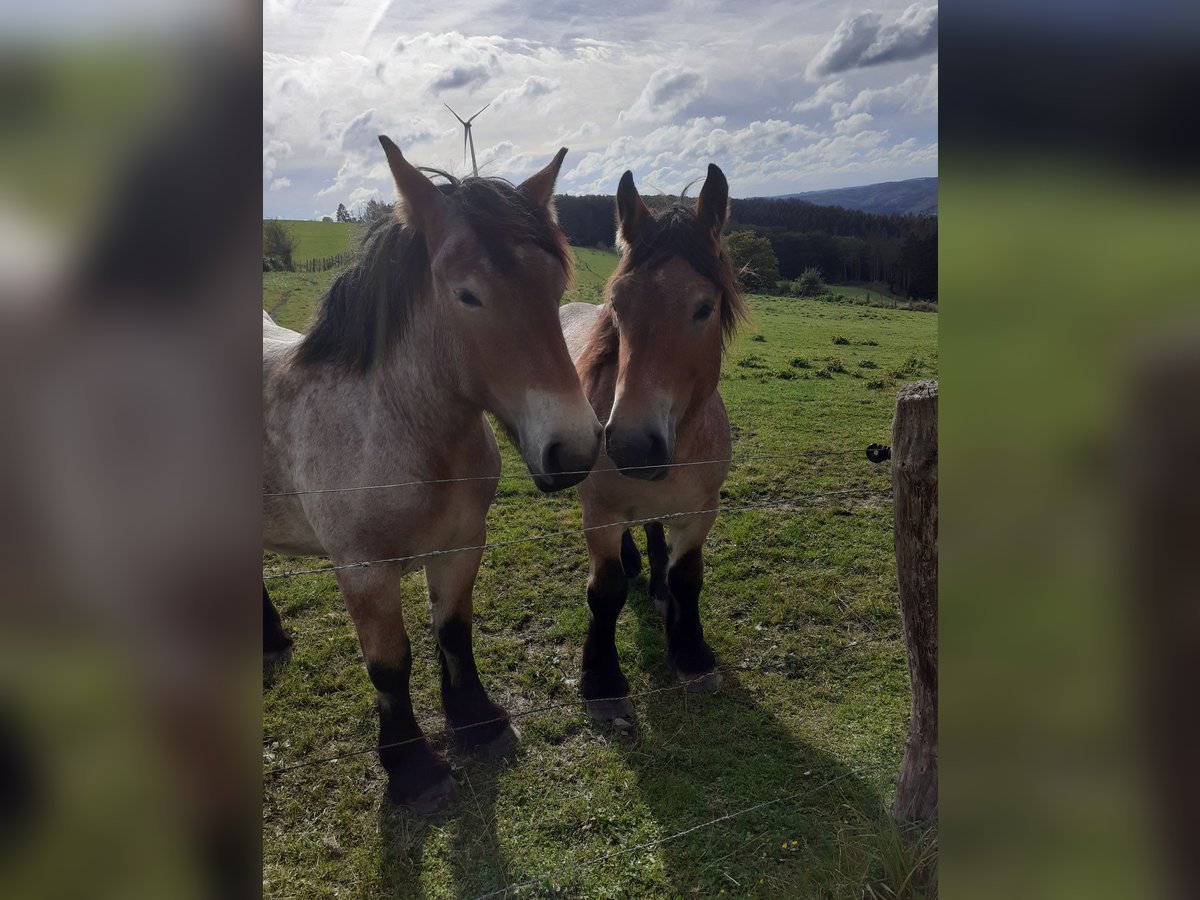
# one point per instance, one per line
(713, 205)
(632, 211)
(539, 187)
(424, 206)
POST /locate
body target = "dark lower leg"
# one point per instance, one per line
(412, 766)
(275, 639)
(686, 649)
(475, 719)
(659, 556)
(631, 559)
(606, 591)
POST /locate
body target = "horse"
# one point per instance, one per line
(649, 359)
(451, 311)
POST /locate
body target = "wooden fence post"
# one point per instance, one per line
(915, 490)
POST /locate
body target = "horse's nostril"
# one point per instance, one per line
(552, 458)
(657, 451)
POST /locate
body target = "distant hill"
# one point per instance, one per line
(914, 195)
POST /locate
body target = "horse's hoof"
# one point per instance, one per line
(435, 799)
(707, 683)
(501, 746)
(611, 710)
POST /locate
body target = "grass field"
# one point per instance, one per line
(801, 600)
(315, 240)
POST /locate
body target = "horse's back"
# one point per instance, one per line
(276, 337)
(576, 320)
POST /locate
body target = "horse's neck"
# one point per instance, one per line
(420, 381)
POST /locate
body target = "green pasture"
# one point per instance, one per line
(315, 240)
(800, 600)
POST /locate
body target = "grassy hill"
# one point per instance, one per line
(592, 268)
(315, 240)
(913, 195)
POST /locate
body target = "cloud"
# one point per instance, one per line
(362, 133)
(459, 77)
(633, 94)
(278, 184)
(667, 92)
(853, 124)
(823, 96)
(863, 40)
(274, 152)
(918, 93)
(530, 89)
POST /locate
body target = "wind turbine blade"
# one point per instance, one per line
(472, 119)
(466, 134)
(453, 113)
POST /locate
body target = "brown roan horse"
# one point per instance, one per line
(451, 312)
(649, 360)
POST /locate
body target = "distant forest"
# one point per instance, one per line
(846, 245)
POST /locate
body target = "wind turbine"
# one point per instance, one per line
(467, 137)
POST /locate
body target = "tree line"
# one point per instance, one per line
(827, 242)
(844, 245)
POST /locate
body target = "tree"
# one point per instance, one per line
(918, 256)
(374, 211)
(326, 219)
(809, 284)
(753, 260)
(278, 246)
(342, 215)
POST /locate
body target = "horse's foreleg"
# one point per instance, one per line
(659, 556)
(631, 559)
(478, 723)
(603, 684)
(687, 652)
(417, 776)
(277, 646)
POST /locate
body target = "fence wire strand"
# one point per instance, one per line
(529, 476)
(519, 714)
(553, 535)
(682, 685)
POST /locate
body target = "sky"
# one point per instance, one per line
(783, 96)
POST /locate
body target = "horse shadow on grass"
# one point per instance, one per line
(694, 758)
(697, 758)
(475, 860)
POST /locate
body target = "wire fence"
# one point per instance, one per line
(531, 476)
(575, 703)
(783, 505)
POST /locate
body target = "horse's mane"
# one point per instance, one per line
(369, 306)
(667, 232)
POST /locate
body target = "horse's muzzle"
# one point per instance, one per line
(564, 465)
(642, 453)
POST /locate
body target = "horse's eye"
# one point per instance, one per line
(703, 312)
(468, 299)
